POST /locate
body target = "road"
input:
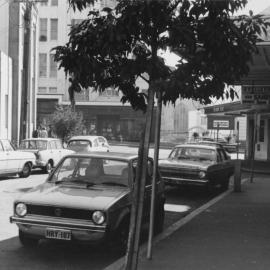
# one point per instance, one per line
(52, 255)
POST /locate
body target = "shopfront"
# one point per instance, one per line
(120, 123)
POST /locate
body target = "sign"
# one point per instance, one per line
(220, 122)
(255, 94)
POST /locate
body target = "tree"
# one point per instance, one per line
(114, 47)
(66, 122)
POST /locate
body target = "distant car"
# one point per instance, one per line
(229, 147)
(195, 164)
(48, 151)
(86, 198)
(15, 162)
(88, 143)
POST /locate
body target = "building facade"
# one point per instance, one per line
(13, 44)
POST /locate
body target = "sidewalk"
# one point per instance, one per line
(232, 234)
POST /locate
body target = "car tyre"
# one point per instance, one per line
(26, 171)
(121, 238)
(48, 167)
(27, 241)
(159, 219)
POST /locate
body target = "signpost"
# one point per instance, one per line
(255, 94)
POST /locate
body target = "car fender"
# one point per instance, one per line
(125, 213)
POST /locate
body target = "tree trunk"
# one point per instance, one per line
(139, 188)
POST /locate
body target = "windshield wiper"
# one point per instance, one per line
(114, 184)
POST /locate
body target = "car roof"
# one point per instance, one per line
(197, 145)
(85, 137)
(108, 155)
(41, 139)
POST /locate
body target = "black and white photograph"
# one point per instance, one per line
(134, 134)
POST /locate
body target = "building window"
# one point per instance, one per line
(42, 29)
(53, 67)
(44, 3)
(42, 65)
(54, 29)
(54, 3)
(53, 90)
(42, 90)
(261, 131)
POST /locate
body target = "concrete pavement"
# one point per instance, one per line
(231, 234)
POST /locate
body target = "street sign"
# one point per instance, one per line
(220, 122)
(255, 94)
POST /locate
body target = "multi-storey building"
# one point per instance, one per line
(18, 72)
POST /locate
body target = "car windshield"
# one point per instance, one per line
(92, 171)
(192, 153)
(34, 144)
(79, 145)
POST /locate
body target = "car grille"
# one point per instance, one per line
(180, 173)
(55, 211)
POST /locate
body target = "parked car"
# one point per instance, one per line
(15, 162)
(88, 143)
(229, 147)
(86, 198)
(48, 151)
(196, 164)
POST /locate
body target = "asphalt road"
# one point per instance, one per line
(57, 255)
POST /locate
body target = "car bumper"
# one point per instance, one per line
(184, 181)
(39, 164)
(80, 230)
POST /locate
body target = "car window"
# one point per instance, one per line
(101, 140)
(222, 155)
(192, 153)
(96, 171)
(58, 144)
(95, 143)
(7, 146)
(79, 145)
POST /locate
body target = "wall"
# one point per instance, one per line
(5, 96)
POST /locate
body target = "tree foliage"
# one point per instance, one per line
(66, 122)
(113, 48)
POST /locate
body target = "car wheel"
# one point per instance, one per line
(121, 238)
(48, 167)
(159, 219)
(26, 171)
(27, 241)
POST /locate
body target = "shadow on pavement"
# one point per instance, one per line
(53, 255)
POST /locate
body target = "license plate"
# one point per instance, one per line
(58, 234)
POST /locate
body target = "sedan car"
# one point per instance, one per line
(88, 143)
(86, 198)
(195, 164)
(48, 151)
(15, 162)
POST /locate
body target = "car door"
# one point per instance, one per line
(3, 160)
(228, 165)
(13, 160)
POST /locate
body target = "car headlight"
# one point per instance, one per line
(202, 174)
(98, 217)
(21, 209)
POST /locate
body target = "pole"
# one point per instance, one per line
(253, 147)
(155, 175)
(237, 166)
(26, 50)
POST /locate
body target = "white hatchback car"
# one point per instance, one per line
(13, 161)
(88, 143)
(48, 151)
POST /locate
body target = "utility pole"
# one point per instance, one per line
(25, 81)
(26, 63)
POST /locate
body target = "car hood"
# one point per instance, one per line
(184, 164)
(74, 196)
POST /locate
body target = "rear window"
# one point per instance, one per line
(79, 145)
(33, 144)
